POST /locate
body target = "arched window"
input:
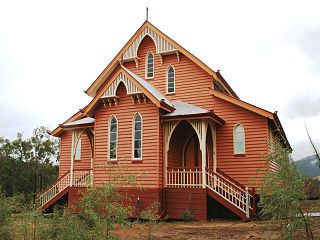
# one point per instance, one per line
(149, 65)
(238, 139)
(137, 136)
(171, 80)
(113, 138)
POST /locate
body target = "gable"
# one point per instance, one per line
(164, 46)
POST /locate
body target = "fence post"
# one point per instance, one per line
(247, 203)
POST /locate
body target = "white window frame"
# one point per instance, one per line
(133, 133)
(109, 136)
(243, 139)
(76, 144)
(174, 79)
(146, 68)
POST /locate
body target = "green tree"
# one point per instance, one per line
(282, 191)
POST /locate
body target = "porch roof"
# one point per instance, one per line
(84, 122)
(188, 111)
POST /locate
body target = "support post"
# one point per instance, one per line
(247, 203)
(203, 152)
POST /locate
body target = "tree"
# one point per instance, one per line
(27, 165)
(282, 191)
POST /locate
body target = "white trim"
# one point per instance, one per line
(138, 45)
(146, 65)
(133, 131)
(243, 139)
(117, 139)
(174, 80)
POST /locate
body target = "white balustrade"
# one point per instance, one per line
(182, 178)
(80, 179)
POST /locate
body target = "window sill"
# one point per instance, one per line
(112, 161)
(136, 160)
(239, 155)
(173, 93)
(149, 78)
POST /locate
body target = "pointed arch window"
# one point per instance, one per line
(238, 139)
(149, 65)
(137, 137)
(113, 138)
(171, 75)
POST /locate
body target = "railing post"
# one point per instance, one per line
(91, 177)
(247, 203)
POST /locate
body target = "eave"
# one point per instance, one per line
(208, 115)
(269, 115)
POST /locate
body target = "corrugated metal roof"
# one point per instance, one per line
(82, 121)
(151, 89)
(183, 109)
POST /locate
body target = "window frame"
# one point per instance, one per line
(133, 135)
(243, 152)
(174, 80)
(109, 138)
(146, 67)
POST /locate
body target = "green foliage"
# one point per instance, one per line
(282, 191)
(101, 208)
(151, 214)
(26, 165)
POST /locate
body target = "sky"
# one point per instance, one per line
(268, 51)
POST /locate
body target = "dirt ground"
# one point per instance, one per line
(217, 229)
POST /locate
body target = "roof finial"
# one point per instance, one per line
(147, 10)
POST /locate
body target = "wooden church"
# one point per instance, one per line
(160, 114)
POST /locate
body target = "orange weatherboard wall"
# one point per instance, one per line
(205, 122)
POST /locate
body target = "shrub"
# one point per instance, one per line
(312, 188)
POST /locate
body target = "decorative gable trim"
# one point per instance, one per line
(162, 45)
(130, 48)
(130, 86)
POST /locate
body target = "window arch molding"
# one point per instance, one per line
(150, 65)
(112, 138)
(171, 79)
(137, 136)
(239, 143)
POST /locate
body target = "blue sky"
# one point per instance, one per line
(268, 51)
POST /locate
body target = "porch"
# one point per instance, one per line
(191, 162)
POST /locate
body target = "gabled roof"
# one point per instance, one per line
(151, 89)
(146, 88)
(272, 116)
(92, 90)
(188, 111)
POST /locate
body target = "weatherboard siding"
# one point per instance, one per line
(249, 168)
(65, 153)
(192, 82)
(146, 170)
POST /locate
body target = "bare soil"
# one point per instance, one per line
(217, 229)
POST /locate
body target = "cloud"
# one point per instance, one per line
(310, 44)
(303, 106)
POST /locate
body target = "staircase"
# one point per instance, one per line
(231, 194)
(80, 178)
(221, 187)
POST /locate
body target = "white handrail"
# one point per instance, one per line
(80, 179)
(230, 191)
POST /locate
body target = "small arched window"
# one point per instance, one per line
(137, 137)
(113, 137)
(171, 80)
(238, 139)
(149, 65)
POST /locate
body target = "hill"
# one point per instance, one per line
(308, 166)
